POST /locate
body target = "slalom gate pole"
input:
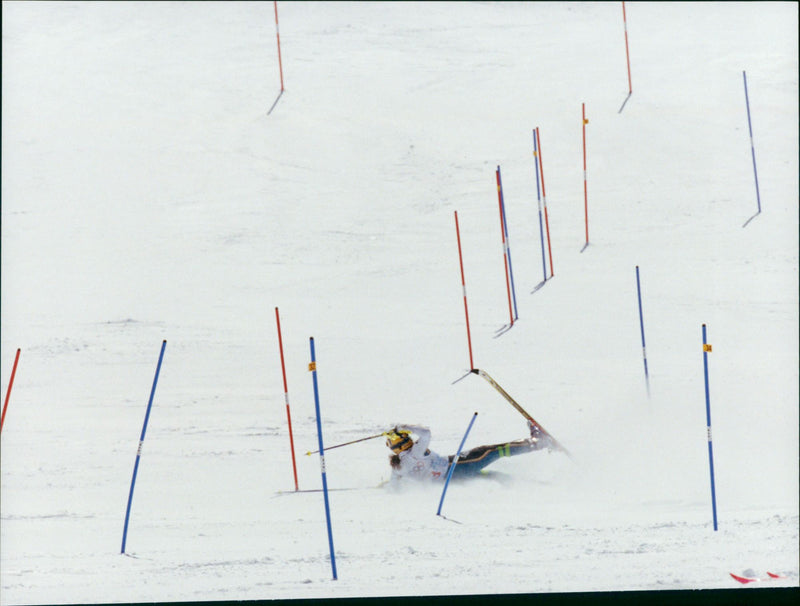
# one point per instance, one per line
(752, 147)
(627, 53)
(464, 289)
(280, 63)
(539, 200)
(627, 58)
(286, 397)
(141, 442)
(641, 326)
(278, 36)
(706, 351)
(544, 200)
(453, 464)
(506, 258)
(313, 368)
(8, 391)
(508, 244)
(584, 122)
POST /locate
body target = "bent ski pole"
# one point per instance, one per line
(378, 435)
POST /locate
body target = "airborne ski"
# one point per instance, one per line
(556, 444)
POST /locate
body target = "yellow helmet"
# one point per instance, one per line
(399, 441)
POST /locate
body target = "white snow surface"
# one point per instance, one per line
(148, 195)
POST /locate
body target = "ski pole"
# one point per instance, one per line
(377, 435)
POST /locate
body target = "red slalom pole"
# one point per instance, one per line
(544, 201)
(464, 288)
(286, 395)
(585, 193)
(627, 55)
(278, 35)
(505, 245)
(627, 59)
(8, 393)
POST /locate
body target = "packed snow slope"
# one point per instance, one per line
(147, 194)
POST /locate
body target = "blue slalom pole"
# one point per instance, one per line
(313, 368)
(453, 464)
(139, 450)
(641, 326)
(508, 245)
(706, 350)
(539, 200)
(752, 148)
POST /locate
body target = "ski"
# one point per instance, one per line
(745, 580)
(556, 444)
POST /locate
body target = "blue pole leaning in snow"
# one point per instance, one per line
(313, 368)
(141, 441)
(706, 350)
(641, 326)
(539, 199)
(752, 148)
(508, 244)
(453, 464)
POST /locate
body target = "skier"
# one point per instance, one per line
(412, 458)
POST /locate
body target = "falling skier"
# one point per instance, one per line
(412, 458)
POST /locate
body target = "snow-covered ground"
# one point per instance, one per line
(148, 195)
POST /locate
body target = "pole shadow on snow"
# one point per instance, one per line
(502, 330)
(538, 286)
(751, 218)
(624, 102)
(278, 98)
(461, 378)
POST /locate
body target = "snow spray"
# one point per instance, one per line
(539, 201)
(544, 200)
(464, 289)
(139, 450)
(706, 351)
(752, 148)
(286, 397)
(584, 122)
(313, 368)
(8, 391)
(641, 326)
(506, 250)
(453, 464)
(627, 58)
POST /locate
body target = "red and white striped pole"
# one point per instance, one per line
(286, 396)
(278, 35)
(627, 59)
(544, 201)
(627, 55)
(585, 191)
(8, 393)
(464, 289)
(505, 245)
